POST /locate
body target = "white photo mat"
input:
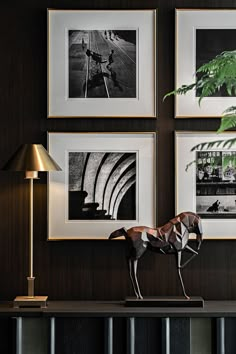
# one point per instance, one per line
(187, 22)
(60, 144)
(60, 22)
(185, 181)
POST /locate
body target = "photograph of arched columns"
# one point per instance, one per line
(102, 185)
(108, 181)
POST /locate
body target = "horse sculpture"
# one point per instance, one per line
(171, 238)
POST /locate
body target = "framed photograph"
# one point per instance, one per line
(206, 180)
(101, 63)
(200, 36)
(107, 182)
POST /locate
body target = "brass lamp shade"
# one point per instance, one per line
(31, 157)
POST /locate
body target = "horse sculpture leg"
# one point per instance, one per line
(133, 263)
(179, 255)
(194, 254)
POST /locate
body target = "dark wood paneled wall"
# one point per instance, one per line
(90, 270)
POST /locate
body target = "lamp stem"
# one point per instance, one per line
(31, 277)
(31, 221)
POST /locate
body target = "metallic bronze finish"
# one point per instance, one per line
(31, 175)
(31, 157)
(30, 287)
(171, 238)
(28, 301)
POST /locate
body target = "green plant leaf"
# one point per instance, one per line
(231, 109)
(212, 76)
(229, 143)
(217, 143)
(180, 91)
(228, 121)
(189, 164)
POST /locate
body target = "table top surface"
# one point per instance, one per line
(117, 309)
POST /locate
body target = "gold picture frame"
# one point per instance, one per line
(108, 180)
(101, 63)
(205, 180)
(200, 35)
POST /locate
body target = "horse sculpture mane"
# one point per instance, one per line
(171, 238)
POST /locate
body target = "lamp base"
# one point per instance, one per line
(28, 301)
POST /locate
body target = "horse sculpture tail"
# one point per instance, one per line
(118, 233)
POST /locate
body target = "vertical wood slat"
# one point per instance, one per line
(220, 335)
(19, 335)
(109, 335)
(165, 336)
(52, 335)
(131, 335)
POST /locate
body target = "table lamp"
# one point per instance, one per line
(31, 158)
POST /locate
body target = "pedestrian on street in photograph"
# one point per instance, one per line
(95, 56)
(83, 44)
(110, 59)
(115, 36)
(105, 33)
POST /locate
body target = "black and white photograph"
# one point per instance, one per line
(209, 44)
(205, 179)
(102, 186)
(107, 181)
(102, 63)
(202, 35)
(216, 184)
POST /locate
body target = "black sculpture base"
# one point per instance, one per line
(164, 302)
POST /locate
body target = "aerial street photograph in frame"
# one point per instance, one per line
(102, 63)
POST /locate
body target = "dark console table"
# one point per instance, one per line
(86, 327)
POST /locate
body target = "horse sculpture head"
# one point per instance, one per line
(194, 225)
